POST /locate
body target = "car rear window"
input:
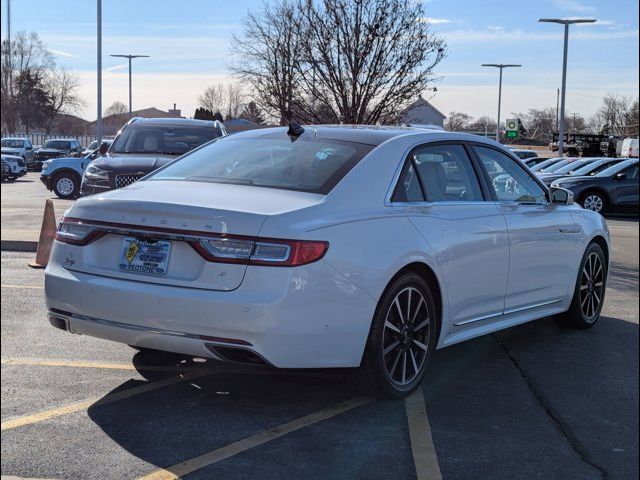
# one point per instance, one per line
(162, 139)
(58, 144)
(305, 164)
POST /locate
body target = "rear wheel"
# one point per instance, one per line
(66, 185)
(403, 335)
(588, 295)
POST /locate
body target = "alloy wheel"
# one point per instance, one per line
(593, 203)
(592, 286)
(405, 341)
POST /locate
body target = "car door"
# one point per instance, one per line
(624, 188)
(440, 192)
(544, 240)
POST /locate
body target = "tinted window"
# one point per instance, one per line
(307, 164)
(509, 180)
(11, 143)
(573, 166)
(445, 173)
(168, 140)
(545, 164)
(58, 144)
(612, 170)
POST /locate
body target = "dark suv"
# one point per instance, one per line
(57, 147)
(143, 145)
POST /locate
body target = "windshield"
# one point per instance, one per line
(593, 168)
(58, 144)
(612, 170)
(555, 166)
(573, 166)
(306, 164)
(161, 139)
(12, 143)
(544, 164)
(93, 145)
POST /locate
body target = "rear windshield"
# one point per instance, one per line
(58, 144)
(306, 164)
(545, 164)
(618, 167)
(11, 143)
(161, 139)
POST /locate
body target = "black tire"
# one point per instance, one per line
(68, 180)
(373, 377)
(594, 200)
(589, 292)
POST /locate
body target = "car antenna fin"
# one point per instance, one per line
(295, 129)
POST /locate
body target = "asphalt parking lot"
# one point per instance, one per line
(536, 401)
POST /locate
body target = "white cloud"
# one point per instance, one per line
(495, 28)
(434, 21)
(120, 66)
(61, 53)
(574, 6)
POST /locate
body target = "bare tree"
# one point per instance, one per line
(223, 98)
(212, 98)
(365, 60)
(62, 88)
(266, 55)
(116, 108)
(618, 115)
(482, 124)
(457, 121)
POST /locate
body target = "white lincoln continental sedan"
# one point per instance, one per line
(328, 246)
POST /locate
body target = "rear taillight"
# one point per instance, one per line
(277, 252)
(212, 247)
(77, 233)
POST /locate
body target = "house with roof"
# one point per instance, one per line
(421, 112)
(113, 123)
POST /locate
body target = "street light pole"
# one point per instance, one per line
(566, 23)
(99, 72)
(130, 57)
(501, 66)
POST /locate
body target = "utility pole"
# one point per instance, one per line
(566, 23)
(130, 57)
(501, 66)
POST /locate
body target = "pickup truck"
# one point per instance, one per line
(63, 175)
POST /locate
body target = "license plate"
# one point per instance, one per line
(145, 256)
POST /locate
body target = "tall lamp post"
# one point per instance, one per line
(130, 57)
(99, 73)
(566, 23)
(501, 66)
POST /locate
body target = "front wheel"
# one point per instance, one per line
(588, 295)
(594, 201)
(403, 335)
(66, 185)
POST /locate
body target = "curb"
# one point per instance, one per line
(18, 246)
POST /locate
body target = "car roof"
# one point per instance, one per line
(372, 135)
(174, 121)
(14, 138)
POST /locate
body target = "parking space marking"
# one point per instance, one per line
(41, 362)
(424, 453)
(33, 287)
(222, 453)
(95, 401)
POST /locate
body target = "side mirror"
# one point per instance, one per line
(621, 176)
(561, 196)
(103, 148)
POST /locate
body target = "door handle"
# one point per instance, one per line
(570, 229)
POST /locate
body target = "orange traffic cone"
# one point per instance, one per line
(47, 234)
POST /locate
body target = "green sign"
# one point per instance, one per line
(512, 134)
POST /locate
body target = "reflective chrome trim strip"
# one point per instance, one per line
(67, 316)
(529, 307)
(506, 312)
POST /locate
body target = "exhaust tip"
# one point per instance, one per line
(58, 322)
(237, 355)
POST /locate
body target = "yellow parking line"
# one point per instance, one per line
(96, 401)
(196, 463)
(41, 362)
(424, 453)
(35, 287)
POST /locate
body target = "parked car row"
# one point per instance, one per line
(600, 184)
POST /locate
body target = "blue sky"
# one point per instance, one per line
(189, 41)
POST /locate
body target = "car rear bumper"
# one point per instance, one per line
(303, 317)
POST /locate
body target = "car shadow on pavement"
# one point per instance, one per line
(484, 397)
